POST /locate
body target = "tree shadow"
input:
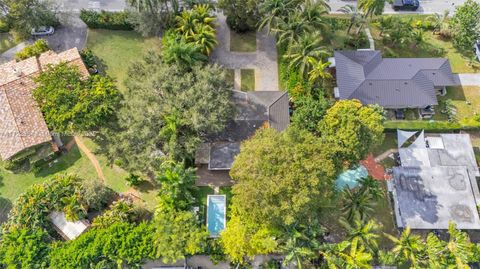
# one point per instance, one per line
(5, 207)
(147, 186)
(61, 163)
(456, 93)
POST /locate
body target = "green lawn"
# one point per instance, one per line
(12, 185)
(118, 49)
(433, 46)
(231, 76)
(244, 42)
(466, 100)
(390, 142)
(6, 42)
(247, 80)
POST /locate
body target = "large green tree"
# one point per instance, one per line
(282, 178)
(177, 234)
(167, 111)
(151, 17)
(466, 25)
(72, 103)
(121, 245)
(23, 15)
(353, 127)
(242, 15)
(177, 186)
(24, 248)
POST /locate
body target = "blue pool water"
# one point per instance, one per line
(216, 212)
(350, 177)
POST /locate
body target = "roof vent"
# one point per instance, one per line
(370, 84)
(406, 83)
(398, 90)
(433, 73)
(17, 73)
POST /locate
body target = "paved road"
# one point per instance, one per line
(426, 6)
(76, 5)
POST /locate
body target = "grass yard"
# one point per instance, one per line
(244, 42)
(466, 100)
(118, 49)
(433, 46)
(389, 142)
(75, 162)
(230, 76)
(247, 80)
(6, 42)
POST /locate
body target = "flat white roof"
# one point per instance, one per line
(70, 229)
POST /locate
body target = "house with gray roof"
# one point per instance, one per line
(393, 83)
(436, 182)
(253, 110)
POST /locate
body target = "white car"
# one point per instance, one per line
(43, 30)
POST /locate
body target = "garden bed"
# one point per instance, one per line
(243, 42)
(247, 80)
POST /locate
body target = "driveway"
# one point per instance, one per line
(426, 6)
(77, 5)
(71, 33)
(264, 60)
(468, 79)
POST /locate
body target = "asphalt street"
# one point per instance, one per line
(426, 6)
(77, 5)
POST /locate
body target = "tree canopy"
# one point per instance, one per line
(281, 178)
(72, 103)
(466, 25)
(353, 127)
(167, 111)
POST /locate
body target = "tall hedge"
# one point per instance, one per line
(106, 20)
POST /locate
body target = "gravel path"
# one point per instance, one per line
(264, 60)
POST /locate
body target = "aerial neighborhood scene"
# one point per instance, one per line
(239, 134)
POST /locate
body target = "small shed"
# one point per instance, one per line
(68, 229)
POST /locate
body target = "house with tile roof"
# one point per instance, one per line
(393, 83)
(23, 130)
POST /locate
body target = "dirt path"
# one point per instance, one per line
(91, 157)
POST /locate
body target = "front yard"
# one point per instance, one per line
(116, 50)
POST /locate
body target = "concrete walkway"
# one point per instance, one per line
(468, 79)
(264, 60)
(10, 54)
(385, 155)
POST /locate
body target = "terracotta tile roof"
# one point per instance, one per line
(21, 122)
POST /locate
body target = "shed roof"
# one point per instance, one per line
(68, 229)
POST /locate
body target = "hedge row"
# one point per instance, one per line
(431, 126)
(106, 20)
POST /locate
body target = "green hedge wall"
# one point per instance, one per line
(106, 20)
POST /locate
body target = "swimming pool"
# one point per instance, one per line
(350, 177)
(216, 214)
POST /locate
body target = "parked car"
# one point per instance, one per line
(43, 30)
(477, 49)
(405, 5)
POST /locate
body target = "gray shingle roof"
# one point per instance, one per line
(391, 82)
(252, 111)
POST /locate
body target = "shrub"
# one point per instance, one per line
(90, 60)
(4, 28)
(106, 20)
(40, 46)
(133, 180)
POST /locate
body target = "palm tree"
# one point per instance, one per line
(364, 233)
(314, 12)
(435, 249)
(459, 246)
(441, 25)
(186, 23)
(357, 204)
(296, 250)
(372, 187)
(205, 37)
(181, 52)
(276, 11)
(371, 7)
(355, 15)
(346, 255)
(288, 31)
(408, 248)
(319, 71)
(305, 52)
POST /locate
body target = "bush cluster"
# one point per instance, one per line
(40, 46)
(106, 20)
(4, 28)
